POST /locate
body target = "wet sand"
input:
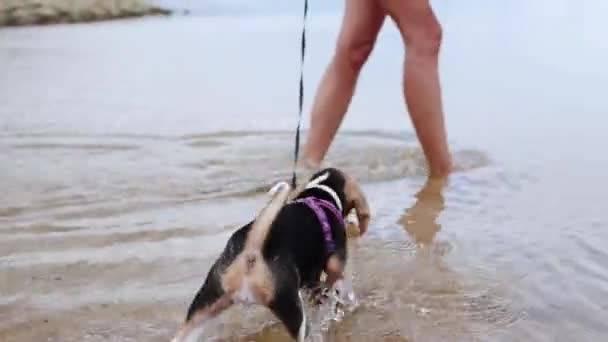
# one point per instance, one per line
(126, 162)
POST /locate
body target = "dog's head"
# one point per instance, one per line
(342, 190)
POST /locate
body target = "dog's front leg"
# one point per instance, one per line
(334, 270)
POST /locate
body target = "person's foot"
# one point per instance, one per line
(441, 170)
(305, 169)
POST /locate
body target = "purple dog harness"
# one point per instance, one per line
(317, 205)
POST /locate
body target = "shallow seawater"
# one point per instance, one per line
(130, 150)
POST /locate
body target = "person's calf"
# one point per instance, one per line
(422, 36)
(333, 98)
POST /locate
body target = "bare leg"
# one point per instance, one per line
(421, 33)
(360, 26)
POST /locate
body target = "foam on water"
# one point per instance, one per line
(101, 176)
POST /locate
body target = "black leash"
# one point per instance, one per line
(301, 102)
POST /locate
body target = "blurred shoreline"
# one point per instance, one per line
(44, 12)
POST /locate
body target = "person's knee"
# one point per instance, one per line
(425, 38)
(353, 54)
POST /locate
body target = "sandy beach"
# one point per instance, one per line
(131, 149)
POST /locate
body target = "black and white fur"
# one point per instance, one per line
(270, 259)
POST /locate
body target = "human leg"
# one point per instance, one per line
(360, 26)
(422, 35)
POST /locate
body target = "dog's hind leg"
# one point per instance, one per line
(288, 305)
(209, 302)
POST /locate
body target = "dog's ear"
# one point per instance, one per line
(356, 199)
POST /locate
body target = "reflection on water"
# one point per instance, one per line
(420, 220)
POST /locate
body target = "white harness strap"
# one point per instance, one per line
(315, 184)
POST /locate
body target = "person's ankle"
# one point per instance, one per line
(309, 164)
(306, 168)
(441, 170)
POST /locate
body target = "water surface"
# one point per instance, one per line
(130, 150)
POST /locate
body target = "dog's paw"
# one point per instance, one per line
(322, 295)
(280, 186)
(352, 225)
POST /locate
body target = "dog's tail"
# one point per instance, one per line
(263, 222)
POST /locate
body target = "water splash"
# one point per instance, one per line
(339, 302)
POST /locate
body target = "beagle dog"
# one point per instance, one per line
(294, 239)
